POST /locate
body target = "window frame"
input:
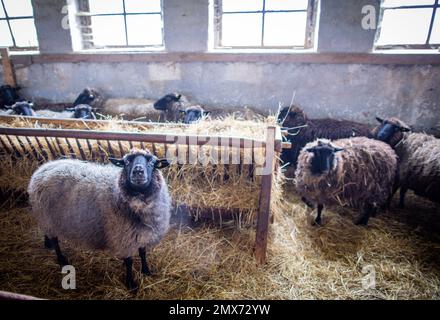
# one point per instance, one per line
(309, 35)
(7, 18)
(86, 29)
(435, 7)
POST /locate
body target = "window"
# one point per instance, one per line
(17, 27)
(120, 23)
(264, 23)
(409, 24)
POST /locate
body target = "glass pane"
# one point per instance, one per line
(285, 29)
(2, 12)
(241, 29)
(399, 3)
(24, 32)
(18, 8)
(144, 29)
(287, 4)
(137, 6)
(106, 6)
(108, 31)
(240, 5)
(435, 35)
(5, 35)
(405, 26)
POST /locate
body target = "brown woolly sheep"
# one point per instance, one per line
(419, 158)
(103, 207)
(357, 172)
(303, 130)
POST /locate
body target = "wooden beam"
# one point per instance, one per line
(236, 56)
(8, 68)
(265, 196)
(178, 139)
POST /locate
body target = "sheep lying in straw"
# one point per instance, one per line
(303, 130)
(358, 172)
(21, 108)
(131, 109)
(101, 207)
(81, 111)
(419, 158)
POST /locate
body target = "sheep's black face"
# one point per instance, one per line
(389, 131)
(323, 158)
(168, 102)
(192, 115)
(291, 117)
(23, 108)
(82, 112)
(85, 97)
(139, 169)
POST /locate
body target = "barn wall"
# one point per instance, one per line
(356, 91)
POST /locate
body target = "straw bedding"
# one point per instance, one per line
(195, 262)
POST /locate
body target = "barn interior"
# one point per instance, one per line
(234, 234)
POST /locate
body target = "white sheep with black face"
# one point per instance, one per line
(122, 208)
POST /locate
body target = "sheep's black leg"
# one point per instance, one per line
(129, 281)
(62, 260)
(307, 202)
(143, 255)
(403, 191)
(367, 211)
(318, 216)
(47, 243)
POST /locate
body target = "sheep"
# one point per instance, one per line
(22, 108)
(193, 114)
(419, 158)
(89, 97)
(170, 104)
(103, 207)
(358, 172)
(9, 95)
(81, 111)
(132, 109)
(302, 130)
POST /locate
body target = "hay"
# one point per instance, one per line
(305, 262)
(201, 186)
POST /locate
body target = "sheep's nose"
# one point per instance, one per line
(138, 170)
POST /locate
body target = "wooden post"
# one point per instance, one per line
(8, 68)
(264, 202)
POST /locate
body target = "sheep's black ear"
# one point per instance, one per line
(117, 162)
(162, 163)
(380, 120)
(339, 149)
(206, 113)
(179, 96)
(404, 129)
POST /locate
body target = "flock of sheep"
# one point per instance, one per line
(124, 207)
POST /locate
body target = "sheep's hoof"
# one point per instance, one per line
(131, 285)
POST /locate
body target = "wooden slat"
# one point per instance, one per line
(51, 149)
(81, 151)
(264, 202)
(42, 149)
(71, 151)
(60, 147)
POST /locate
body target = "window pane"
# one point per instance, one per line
(241, 29)
(240, 5)
(399, 3)
(2, 12)
(285, 29)
(405, 26)
(287, 4)
(5, 35)
(18, 8)
(24, 32)
(106, 6)
(138, 6)
(108, 31)
(435, 35)
(144, 29)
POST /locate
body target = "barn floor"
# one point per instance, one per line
(205, 262)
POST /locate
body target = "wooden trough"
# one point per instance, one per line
(86, 143)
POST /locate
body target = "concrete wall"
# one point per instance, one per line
(354, 91)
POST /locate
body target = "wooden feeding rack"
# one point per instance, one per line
(86, 143)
